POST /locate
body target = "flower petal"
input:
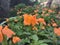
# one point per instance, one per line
(8, 32)
(16, 39)
(1, 28)
(1, 37)
(27, 19)
(57, 31)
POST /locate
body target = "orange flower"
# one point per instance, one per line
(5, 31)
(54, 24)
(41, 20)
(16, 39)
(1, 28)
(8, 32)
(57, 31)
(1, 37)
(50, 11)
(34, 20)
(59, 28)
(27, 19)
(34, 28)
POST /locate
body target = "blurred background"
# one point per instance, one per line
(7, 5)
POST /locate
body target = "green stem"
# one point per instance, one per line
(54, 40)
(4, 41)
(41, 25)
(10, 42)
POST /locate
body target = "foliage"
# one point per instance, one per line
(42, 33)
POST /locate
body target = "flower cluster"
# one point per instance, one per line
(32, 20)
(32, 26)
(7, 32)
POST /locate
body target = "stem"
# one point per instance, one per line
(41, 25)
(54, 40)
(10, 43)
(4, 41)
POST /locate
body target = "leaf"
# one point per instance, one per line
(41, 41)
(17, 7)
(34, 37)
(23, 41)
(43, 44)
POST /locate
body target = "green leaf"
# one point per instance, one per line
(19, 6)
(34, 37)
(43, 44)
(23, 41)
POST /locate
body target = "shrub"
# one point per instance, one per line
(37, 26)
